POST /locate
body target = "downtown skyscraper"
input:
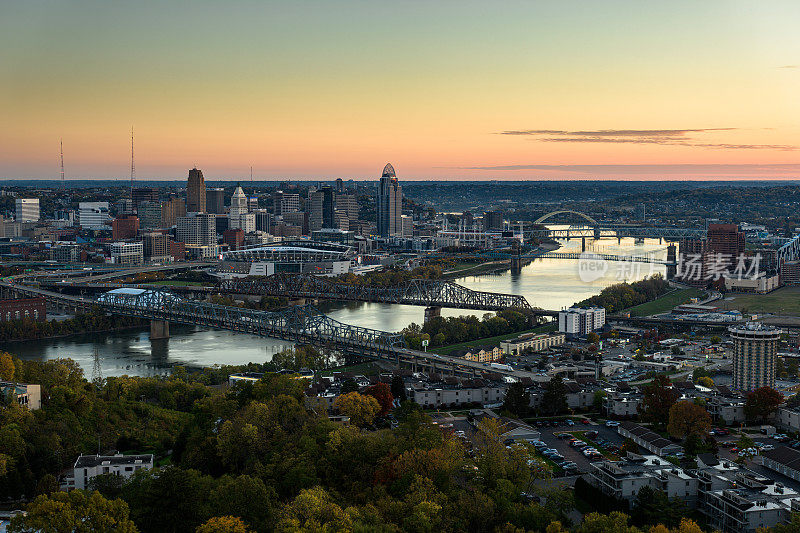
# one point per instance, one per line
(196, 192)
(389, 204)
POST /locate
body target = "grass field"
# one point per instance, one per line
(445, 350)
(784, 301)
(666, 302)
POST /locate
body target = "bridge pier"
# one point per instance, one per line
(159, 329)
(672, 256)
(432, 312)
(583, 244)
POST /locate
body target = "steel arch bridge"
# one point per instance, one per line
(589, 219)
(430, 293)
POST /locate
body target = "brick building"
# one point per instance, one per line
(125, 227)
(17, 309)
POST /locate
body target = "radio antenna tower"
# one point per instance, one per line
(61, 142)
(251, 176)
(133, 168)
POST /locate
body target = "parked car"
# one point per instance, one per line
(612, 423)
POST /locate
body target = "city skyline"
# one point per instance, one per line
(319, 91)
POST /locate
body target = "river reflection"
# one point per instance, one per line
(546, 283)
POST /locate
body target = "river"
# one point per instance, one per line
(546, 283)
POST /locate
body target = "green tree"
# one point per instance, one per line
(517, 400)
(653, 507)
(74, 512)
(7, 367)
(398, 388)
(554, 398)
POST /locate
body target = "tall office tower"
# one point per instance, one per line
(156, 247)
(93, 215)
(197, 229)
(263, 220)
(314, 208)
(238, 202)
(239, 215)
(125, 227)
(252, 203)
(196, 192)
(215, 201)
(171, 209)
(339, 186)
(151, 215)
(277, 199)
(347, 204)
(755, 349)
(143, 194)
(726, 239)
(493, 221)
(290, 203)
(328, 207)
(389, 204)
(27, 209)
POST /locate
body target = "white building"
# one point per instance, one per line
(244, 221)
(127, 253)
(578, 322)
(238, 202)
(27, 209)
(87, 467)
(197, 229)
(93, 215)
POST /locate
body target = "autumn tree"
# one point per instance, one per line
(223, 524)
(383, 394)
(706, 381)
(659, 397)
(361, 408)
(6, 366)
(77, 511)
(761, 403)
(686, 418)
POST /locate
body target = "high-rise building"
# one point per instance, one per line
(577, 322)
(347, 204)
(339, 186)
(197, 229)
(726, 239)
(263, 220)
(151, 214)
(27, 209)
(125, 227)
(389, 204)
(234, 238)
(238, 202)
(196, 192)
(755, 349)
(156, 247)
(171, 209)
(215, 201)
(143, 194)
(314, 208)
(289, 203)
(493, 221)
(127, 253)
(93, 215)
(252, 203)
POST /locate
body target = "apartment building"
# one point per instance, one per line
(532, 341)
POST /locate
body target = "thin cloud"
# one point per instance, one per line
(673, 137)
(789, 66)
(614, 133)
(723, 168)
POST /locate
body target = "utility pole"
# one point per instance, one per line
(133, 168)
(61, 142)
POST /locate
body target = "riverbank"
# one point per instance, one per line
(142, 327)
(447, 350)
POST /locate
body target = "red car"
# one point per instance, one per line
(585, 421)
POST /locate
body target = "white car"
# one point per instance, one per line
(612, 424)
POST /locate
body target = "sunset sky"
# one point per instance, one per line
(442, 89)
